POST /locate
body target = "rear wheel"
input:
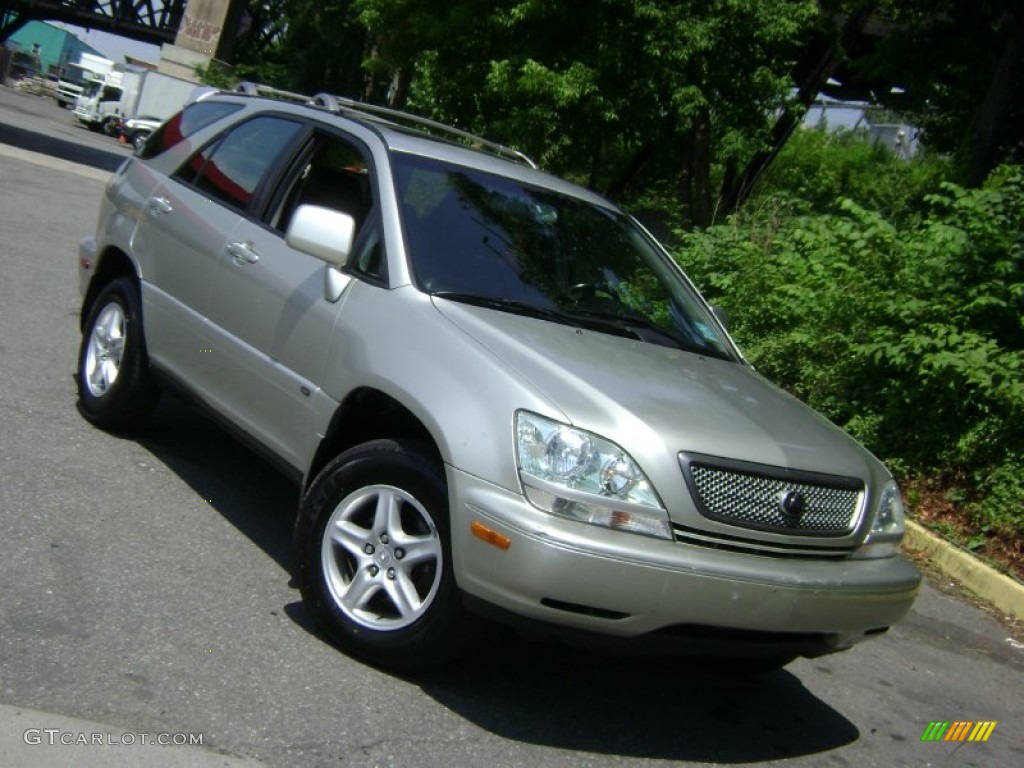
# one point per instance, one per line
(115, 390)
(374, 556)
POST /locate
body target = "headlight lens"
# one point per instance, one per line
(575, 474)
(888, 526)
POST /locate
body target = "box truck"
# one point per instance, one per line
(75, 77)
(102, 101)
(133, 94)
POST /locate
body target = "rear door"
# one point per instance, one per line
(187, 221)
(180, 235)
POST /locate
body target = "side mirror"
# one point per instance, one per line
(323, 233)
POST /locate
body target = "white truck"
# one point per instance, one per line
(133, 94)
(75, 77)
(102, 101)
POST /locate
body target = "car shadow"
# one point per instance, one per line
(243, 488)
(66, 150)
(532, 692)
(636, 706)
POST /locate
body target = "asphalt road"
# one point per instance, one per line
(144, 585)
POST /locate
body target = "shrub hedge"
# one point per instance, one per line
(898, 316)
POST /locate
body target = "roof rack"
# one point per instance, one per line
(256, 89)
(343, 105)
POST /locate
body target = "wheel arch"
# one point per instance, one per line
(369, 414)
(112, 264)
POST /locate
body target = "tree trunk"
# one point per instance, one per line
(702, 169)
(808, 91)
(685, 184)
(369, 81)
(399, 91)
(617, 188)
(997, 125)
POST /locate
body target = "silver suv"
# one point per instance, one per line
(496, 392)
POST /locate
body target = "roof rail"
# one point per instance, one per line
(256, 89)
(342, 105)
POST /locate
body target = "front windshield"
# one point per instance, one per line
(493, 241)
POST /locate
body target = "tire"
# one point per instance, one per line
(115, 390)
(374, 557)
(139, 138)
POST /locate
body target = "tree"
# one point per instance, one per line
(959, 65)
(617, 93)
(309, 46)
(690, 98)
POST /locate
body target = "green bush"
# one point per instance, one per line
(818, 167)
(908, 331)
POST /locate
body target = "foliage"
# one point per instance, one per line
(818, 166)
(214, 75)
(612, 92)
(957, 64)
(909, 333)
(323, 47)
(628, 95)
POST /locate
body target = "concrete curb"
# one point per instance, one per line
(1005, 593)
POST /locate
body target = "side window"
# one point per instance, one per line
(184, 124)
(229, 170)
(334, 175)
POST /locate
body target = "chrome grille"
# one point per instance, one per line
(817, 505)
(751, 546)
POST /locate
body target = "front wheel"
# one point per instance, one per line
(114, 386)
(374, 556)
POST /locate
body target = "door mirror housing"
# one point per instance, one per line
(323, 233)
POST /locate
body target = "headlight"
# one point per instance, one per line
(575, 474)
(888, 526)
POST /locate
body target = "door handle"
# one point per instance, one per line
(160, 205)
(242, 253)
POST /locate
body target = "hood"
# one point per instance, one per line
(650, 398)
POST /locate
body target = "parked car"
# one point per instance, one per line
(137, 129)
(497, 394)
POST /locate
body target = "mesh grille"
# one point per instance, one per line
(756, 501)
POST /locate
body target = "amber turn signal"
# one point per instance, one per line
(484, 533)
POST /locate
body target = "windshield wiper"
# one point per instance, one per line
(645, 329)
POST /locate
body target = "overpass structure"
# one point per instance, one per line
(152, 21)
(191, 33)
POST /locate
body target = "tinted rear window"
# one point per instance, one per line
(182, 125)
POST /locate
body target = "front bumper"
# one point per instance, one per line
(589, 579)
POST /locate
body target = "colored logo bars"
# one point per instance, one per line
(958, 730)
